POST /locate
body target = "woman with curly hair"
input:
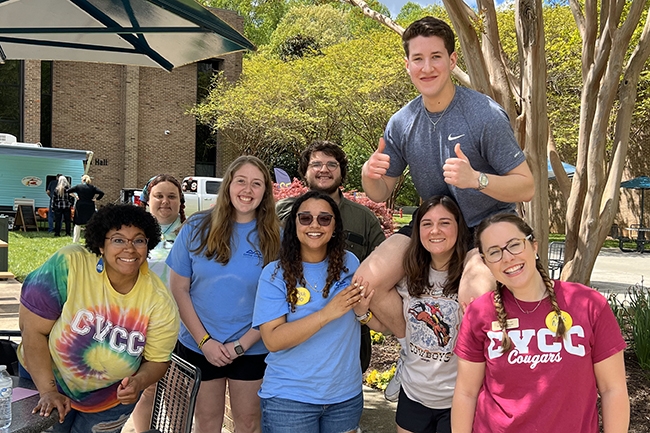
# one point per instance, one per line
(304, 311)
(433, 265)
(97, 326)
(216, 261)
(535, 354)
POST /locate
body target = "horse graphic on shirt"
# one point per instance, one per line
(432, 317)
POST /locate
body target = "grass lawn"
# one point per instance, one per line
(609, 243)
(29, 250)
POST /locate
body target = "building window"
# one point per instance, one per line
(206, 142)
(11, 98)
(46, 103)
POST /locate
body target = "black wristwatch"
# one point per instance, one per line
(239, 350)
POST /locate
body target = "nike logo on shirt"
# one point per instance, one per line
(454, 137)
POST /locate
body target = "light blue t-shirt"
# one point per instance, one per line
(158, 255)
(324, 369)
(223, 296)
(472, 119)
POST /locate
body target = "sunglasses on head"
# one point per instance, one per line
(323, 219)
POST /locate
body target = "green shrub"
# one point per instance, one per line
(633, 315)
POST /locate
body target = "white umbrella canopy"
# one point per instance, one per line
(160, 33)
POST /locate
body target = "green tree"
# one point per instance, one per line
(323, 24)
(261, 17)
(346, 95)
(615, 45)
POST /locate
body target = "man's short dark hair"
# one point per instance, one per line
(429, 26)
(329, 148)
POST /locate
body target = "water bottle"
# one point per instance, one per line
(5, 397)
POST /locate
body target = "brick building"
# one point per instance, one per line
(134, 119)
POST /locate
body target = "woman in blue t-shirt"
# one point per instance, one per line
(215, 264)
(304, 311)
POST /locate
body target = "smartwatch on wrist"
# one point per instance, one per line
(239, 350)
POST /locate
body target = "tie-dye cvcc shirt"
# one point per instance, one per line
(100, 336)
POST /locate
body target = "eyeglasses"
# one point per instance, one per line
(138, 242)
(318, 165)
(514, 247)
(323, 219)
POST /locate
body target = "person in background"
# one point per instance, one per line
(97, 326)
(84, 208)
(534, 354)
(433, 264)
(62, 203)
(215, 263)
(304, 311)
(49, 190)
(323, 165)
(164, 196)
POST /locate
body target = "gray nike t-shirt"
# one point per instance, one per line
(472, 119)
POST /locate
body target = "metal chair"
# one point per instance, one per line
(555, 259)
(175, 398)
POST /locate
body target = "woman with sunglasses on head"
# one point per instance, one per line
(216, 261)
(309, 310)
(98, 327)
(433, 264)
(164, 196)
(535, 354)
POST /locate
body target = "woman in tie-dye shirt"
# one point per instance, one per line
(98, 327)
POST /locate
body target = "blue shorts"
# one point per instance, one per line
(280, 415)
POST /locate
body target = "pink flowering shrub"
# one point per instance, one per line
(294, 190)
(384, 214)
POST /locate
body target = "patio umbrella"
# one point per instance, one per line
(642, 183)
(568, 168)
(164, 33)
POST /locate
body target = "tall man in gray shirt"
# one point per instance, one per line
(457, 142)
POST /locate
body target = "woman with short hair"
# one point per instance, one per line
(98, 327)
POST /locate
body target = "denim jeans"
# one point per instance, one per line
(108, 421)
(280, 415)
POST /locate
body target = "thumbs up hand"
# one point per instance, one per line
(459, 172)
(378, 163)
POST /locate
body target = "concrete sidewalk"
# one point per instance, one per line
(614, 272)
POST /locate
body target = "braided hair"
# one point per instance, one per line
(502, 315)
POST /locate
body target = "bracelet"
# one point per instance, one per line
(365, 318)
(204, 340)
